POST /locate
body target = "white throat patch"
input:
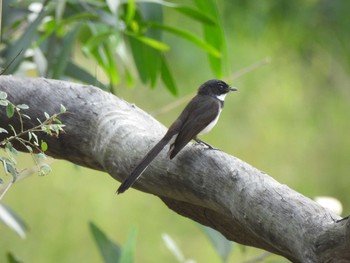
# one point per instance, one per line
(221, 97)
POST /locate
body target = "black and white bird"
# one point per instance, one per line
(199, 117)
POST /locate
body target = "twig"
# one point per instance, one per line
(234, 76)
(250, 68)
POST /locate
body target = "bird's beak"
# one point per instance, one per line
(233, 89)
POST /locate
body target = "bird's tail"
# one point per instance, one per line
(139, 169)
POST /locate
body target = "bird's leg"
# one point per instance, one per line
(204, 143)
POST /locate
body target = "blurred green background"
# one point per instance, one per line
(290, 119)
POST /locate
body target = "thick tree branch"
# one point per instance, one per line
(106, 133)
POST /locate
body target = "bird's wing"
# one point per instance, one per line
(199, 117)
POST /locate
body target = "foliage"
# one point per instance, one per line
(110, 251)
(29, 139)
(110, 33)
(26, 137)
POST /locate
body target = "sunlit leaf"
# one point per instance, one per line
(40, 61)
(60, 8)
(112, 5)
(23, 106)
(13, 221)
(2, 130)
(62, 108)
(173, 247)
(4, 103)
(130, 11)
(150, 42)
(44, 146)
(3, 95)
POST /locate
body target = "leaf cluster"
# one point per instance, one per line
(28, 138)
(124, 38)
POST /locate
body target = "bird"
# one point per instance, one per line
(198, 117)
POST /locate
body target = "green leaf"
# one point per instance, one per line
(195, 14)
(215, 36)
(13, 221)
(150, 42)
(190, 37)
(104, 53)
(111, 67)
(24, 41)
(110, 251)
(222, 246)
(65, 54)
(44, 146)
(10, 110)
(95, 41)
(76, 72)
(168, 78)
(147, 61)
(128, 252)
(186, 10)
(130, 11)
(12, 259)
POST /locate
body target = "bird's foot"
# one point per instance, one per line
(345, 218)
(200, 142)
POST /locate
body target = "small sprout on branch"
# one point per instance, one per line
(28, 138)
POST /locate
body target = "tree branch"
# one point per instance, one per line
(211, 187)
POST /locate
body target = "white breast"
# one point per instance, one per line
(211, 125)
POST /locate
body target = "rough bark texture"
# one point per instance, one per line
(106, 133)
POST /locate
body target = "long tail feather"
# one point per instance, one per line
(141, 167)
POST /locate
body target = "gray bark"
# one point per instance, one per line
(211, 187)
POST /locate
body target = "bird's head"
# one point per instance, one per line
(214, 87)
